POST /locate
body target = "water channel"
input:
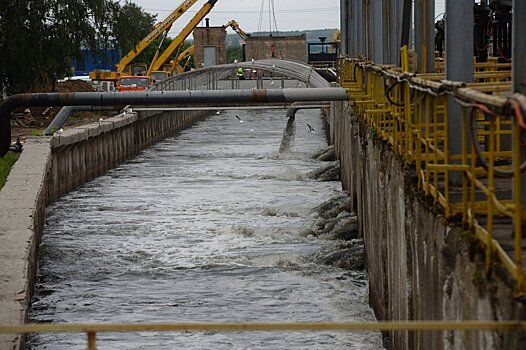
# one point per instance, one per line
(207, 226)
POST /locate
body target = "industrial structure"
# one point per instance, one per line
(428, 124)
(437, 113)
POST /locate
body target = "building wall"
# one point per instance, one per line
(209, 36)
(280, 47)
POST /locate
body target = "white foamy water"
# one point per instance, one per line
(203, 227)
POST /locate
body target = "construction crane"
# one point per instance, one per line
(235, 26)
(185, 55)
(179, 40)
(123, 66)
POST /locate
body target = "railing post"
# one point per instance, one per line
(92, 341)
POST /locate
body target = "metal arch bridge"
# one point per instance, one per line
(207, 78)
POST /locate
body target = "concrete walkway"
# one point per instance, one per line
(20, 219)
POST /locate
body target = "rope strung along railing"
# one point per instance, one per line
(410, 112)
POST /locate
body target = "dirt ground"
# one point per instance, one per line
(33, 121)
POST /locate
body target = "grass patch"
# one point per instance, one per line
(6, 164)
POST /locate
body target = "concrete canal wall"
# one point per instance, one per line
(50, 167)
(420, 266)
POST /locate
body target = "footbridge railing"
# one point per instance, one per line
(480, 181)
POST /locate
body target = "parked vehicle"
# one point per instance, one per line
(133, 83)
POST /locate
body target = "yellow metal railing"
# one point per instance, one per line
(91, 330)
(410, 111)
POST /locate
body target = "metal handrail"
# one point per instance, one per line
(410, 112)
(91, 330)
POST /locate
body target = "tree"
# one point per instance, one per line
(39, 39)
(234, 53)
(131, 25)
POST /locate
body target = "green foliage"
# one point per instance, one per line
(234, 53)
(6, 163)
(131, 24)
(39, 39)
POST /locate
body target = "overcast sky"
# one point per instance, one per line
(290, 14)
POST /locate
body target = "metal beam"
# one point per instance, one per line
(459, 66)
(425, 35)
(159, 98)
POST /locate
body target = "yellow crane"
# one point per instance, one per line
(123, 66)
(235, 26)
(179, 40)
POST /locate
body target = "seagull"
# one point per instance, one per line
(311, 129)
(59, 132)
(218, 112)
(240, 120)
(100, 119)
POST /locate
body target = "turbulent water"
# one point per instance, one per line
(208, 226)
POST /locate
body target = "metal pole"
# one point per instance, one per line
(356, 29)
(344, 25)
(519, 80)
(378, 24)
(425, 35)
(360, 29)
(459, 66)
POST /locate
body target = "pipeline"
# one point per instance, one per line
(160, 98)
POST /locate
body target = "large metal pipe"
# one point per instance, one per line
(425, 35)
(66, 111)
(160, 98)
(459, 66)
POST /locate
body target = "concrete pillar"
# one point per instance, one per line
(425, 35)
(459, 65)
(519, 69)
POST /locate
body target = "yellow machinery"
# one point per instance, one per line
(235, 26)
(176, 67)
(179, 40)
(123, 66)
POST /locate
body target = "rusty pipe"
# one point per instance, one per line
(160, 98)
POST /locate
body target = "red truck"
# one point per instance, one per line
(133, 83)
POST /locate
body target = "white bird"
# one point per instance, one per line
(251, 129)
(218, 112)
(311, 129)
(59, 132)
(100, 119)
(241, 121)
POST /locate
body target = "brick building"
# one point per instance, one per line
(209, 46)
(280, 47)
